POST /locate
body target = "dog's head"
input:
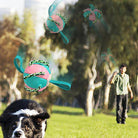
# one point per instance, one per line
(24, 124)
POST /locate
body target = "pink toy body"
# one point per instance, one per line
(35, 68)
(37, 80)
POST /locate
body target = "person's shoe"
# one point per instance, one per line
(118, 122)
(123, 122)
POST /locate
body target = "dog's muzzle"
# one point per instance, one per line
(18, 134)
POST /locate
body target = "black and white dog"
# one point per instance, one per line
(24, 119)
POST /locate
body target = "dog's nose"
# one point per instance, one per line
(18, 133)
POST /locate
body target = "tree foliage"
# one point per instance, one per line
(119, 34)
(9, 44)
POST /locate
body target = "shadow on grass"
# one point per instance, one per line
(114, 114)
(133, 116)
(67, 112)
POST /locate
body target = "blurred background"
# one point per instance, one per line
(93, 53)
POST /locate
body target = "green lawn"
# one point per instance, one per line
(66, 122)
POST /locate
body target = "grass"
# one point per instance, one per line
(67, 122)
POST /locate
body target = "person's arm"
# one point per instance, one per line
(112, 78)
(130, 90)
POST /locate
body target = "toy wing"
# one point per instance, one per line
(18, 60)
(98, 13)
(61, 84)
(92, 6)
(18, 67)
(53, 7)
(64, 38)
(86, 12)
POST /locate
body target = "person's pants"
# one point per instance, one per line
(121, 108)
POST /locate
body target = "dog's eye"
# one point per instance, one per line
(26, 128)
(26, 123)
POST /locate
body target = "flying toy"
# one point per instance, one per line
(56, 22)
(92, 14)
(108, 57)
(37, 75)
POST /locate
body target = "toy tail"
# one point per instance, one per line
(18, 67)
(53, 7)
(65, 39)
(61, 84)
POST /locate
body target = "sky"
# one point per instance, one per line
(18, 5)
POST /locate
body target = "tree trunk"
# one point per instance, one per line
(92, 74)
(14, 93)
(136, 46)
(89, 103)
(107, 86)
(98, 101)
(106, 96)
(0, 96)
(137, 86)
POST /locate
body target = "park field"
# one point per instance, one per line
(67, 122)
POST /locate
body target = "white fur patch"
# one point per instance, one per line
(43, 128)
(26, 111)
(19, 129)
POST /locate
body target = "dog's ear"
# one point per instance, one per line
(4, 118)
(40, 117)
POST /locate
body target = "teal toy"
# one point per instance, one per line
(37, 75)
(55, 22)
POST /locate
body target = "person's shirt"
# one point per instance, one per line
(121, 83)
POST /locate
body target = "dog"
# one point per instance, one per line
(24, 119)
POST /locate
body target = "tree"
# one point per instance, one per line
(81, 53)
(9, 44)
(119, 35)
(27, 28)
(92, 74)
(121, 41)
(13, 34)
